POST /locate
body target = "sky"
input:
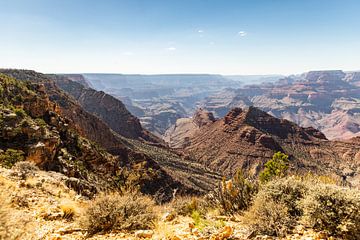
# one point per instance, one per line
(180, 36)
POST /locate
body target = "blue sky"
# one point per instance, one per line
(180, 36)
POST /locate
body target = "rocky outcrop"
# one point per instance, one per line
(86, 124)
(247, 138)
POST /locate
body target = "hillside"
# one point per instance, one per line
(245, 139)
(128, 161)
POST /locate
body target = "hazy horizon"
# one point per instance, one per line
(180, 37)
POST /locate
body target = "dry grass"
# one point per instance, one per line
(68, 210)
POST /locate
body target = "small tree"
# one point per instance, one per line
(275, 167)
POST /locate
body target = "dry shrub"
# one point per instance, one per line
(268, 217)
(333, 209)
(19, 199)
(10, 157)
(275, 209)
(234, 195)
(185, 206)
(282, 203)
(68, 211)
(288, 191)
(119, 212)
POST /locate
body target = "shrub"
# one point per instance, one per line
(234, 195)
(266, 216)
(68, 211)
(41, 122)
(185, 206)
(333, 209)
(275, 209)
(10, 157)
(127, 212)
(288, 191)
(275, 167)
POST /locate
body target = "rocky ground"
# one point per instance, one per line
(39, 206)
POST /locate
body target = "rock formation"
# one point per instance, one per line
(247, 138)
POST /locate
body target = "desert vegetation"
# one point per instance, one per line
(284, 205)
(119, 212)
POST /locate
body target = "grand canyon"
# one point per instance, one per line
(179, 120)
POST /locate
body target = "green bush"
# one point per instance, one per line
(234, 195)
(116, 212)
(10, 157)
(275, 167)
(333, 209)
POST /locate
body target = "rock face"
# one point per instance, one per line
(326, 100)
(109, 109)
(247, 138)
